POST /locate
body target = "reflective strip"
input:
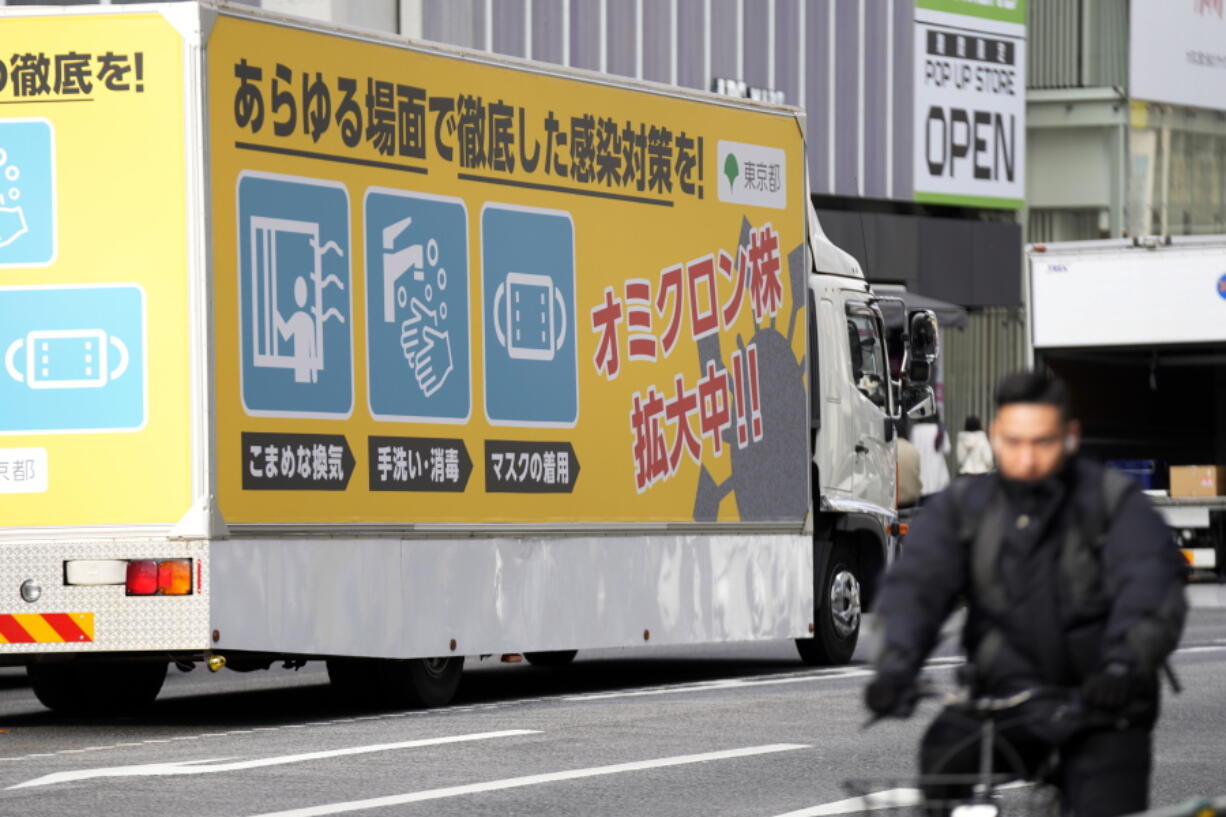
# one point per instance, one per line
(72, 626)
(12, 632)
(46, 628)
(40, 631)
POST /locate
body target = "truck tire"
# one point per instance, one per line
(97, 687)
(838, 612)
(414, 683)
(555, 658)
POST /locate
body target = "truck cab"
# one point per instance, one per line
(857, 398)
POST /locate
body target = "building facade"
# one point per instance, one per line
(1127, 119)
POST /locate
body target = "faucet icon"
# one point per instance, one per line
(395, 264)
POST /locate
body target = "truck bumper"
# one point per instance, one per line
(88, 618)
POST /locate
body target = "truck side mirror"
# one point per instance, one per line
(925, 338)
(919, 402)
(919, 372)
(923, 347)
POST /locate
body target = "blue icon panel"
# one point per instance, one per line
(295, 320)
(528, 288)
(417, 310)
(27, 193)
(74, 358)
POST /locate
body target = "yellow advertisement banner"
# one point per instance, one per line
(455, 291)
(94, 412)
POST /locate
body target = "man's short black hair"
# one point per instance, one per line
(1034, 387)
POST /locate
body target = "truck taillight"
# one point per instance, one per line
(142, 578)
(168, 577)
(175, 577)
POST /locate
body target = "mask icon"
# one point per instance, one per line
(67, 359)
(529, 327)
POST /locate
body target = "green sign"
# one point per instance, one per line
(1006, 11)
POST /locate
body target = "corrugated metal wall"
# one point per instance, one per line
(1068, 224)
(1106, 49)
(1077, 43)
(992, 345)
(848, 63)
(1054, 36)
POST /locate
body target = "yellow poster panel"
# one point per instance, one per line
(94, 412)
(463, 292)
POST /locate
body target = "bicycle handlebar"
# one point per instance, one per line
(1069, 698)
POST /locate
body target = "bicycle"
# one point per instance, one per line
(1004, 771)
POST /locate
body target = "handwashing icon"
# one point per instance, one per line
(424, 339)
(418, 349)
(67, 359)
(27, 192)
(12, 224)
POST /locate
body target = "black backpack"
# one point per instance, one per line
(982, 529)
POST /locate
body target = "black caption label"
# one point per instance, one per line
(971, 47)
(530, 467)
(418, 464)
(296, 462)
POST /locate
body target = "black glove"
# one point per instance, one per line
(890, 694)
(1111, 688)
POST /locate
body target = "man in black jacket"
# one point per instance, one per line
(1071, 580)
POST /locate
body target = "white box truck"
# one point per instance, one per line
(1138, 329)
(320, 344)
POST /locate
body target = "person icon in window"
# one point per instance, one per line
(300, 331)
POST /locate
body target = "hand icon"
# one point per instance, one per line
(434, 361)
(12, 224)
(411, 330)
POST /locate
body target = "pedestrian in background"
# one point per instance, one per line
(974, 450)
(910, 488)
(929, 438)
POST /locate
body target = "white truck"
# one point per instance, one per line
(1138, 329)
(324, 345)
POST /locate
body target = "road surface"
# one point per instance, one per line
(725, 730)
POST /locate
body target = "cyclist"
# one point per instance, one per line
(1070, 580)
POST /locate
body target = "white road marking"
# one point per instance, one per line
(531, 780)
(1202, 649)
(727, 683)
(890, 798)
(215, 765)
(875, 801)
(836, 674)
(935, 663)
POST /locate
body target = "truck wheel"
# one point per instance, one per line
(96, 687)
(415, 683)
(838, 612)
(555, 658)
(420, 683)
